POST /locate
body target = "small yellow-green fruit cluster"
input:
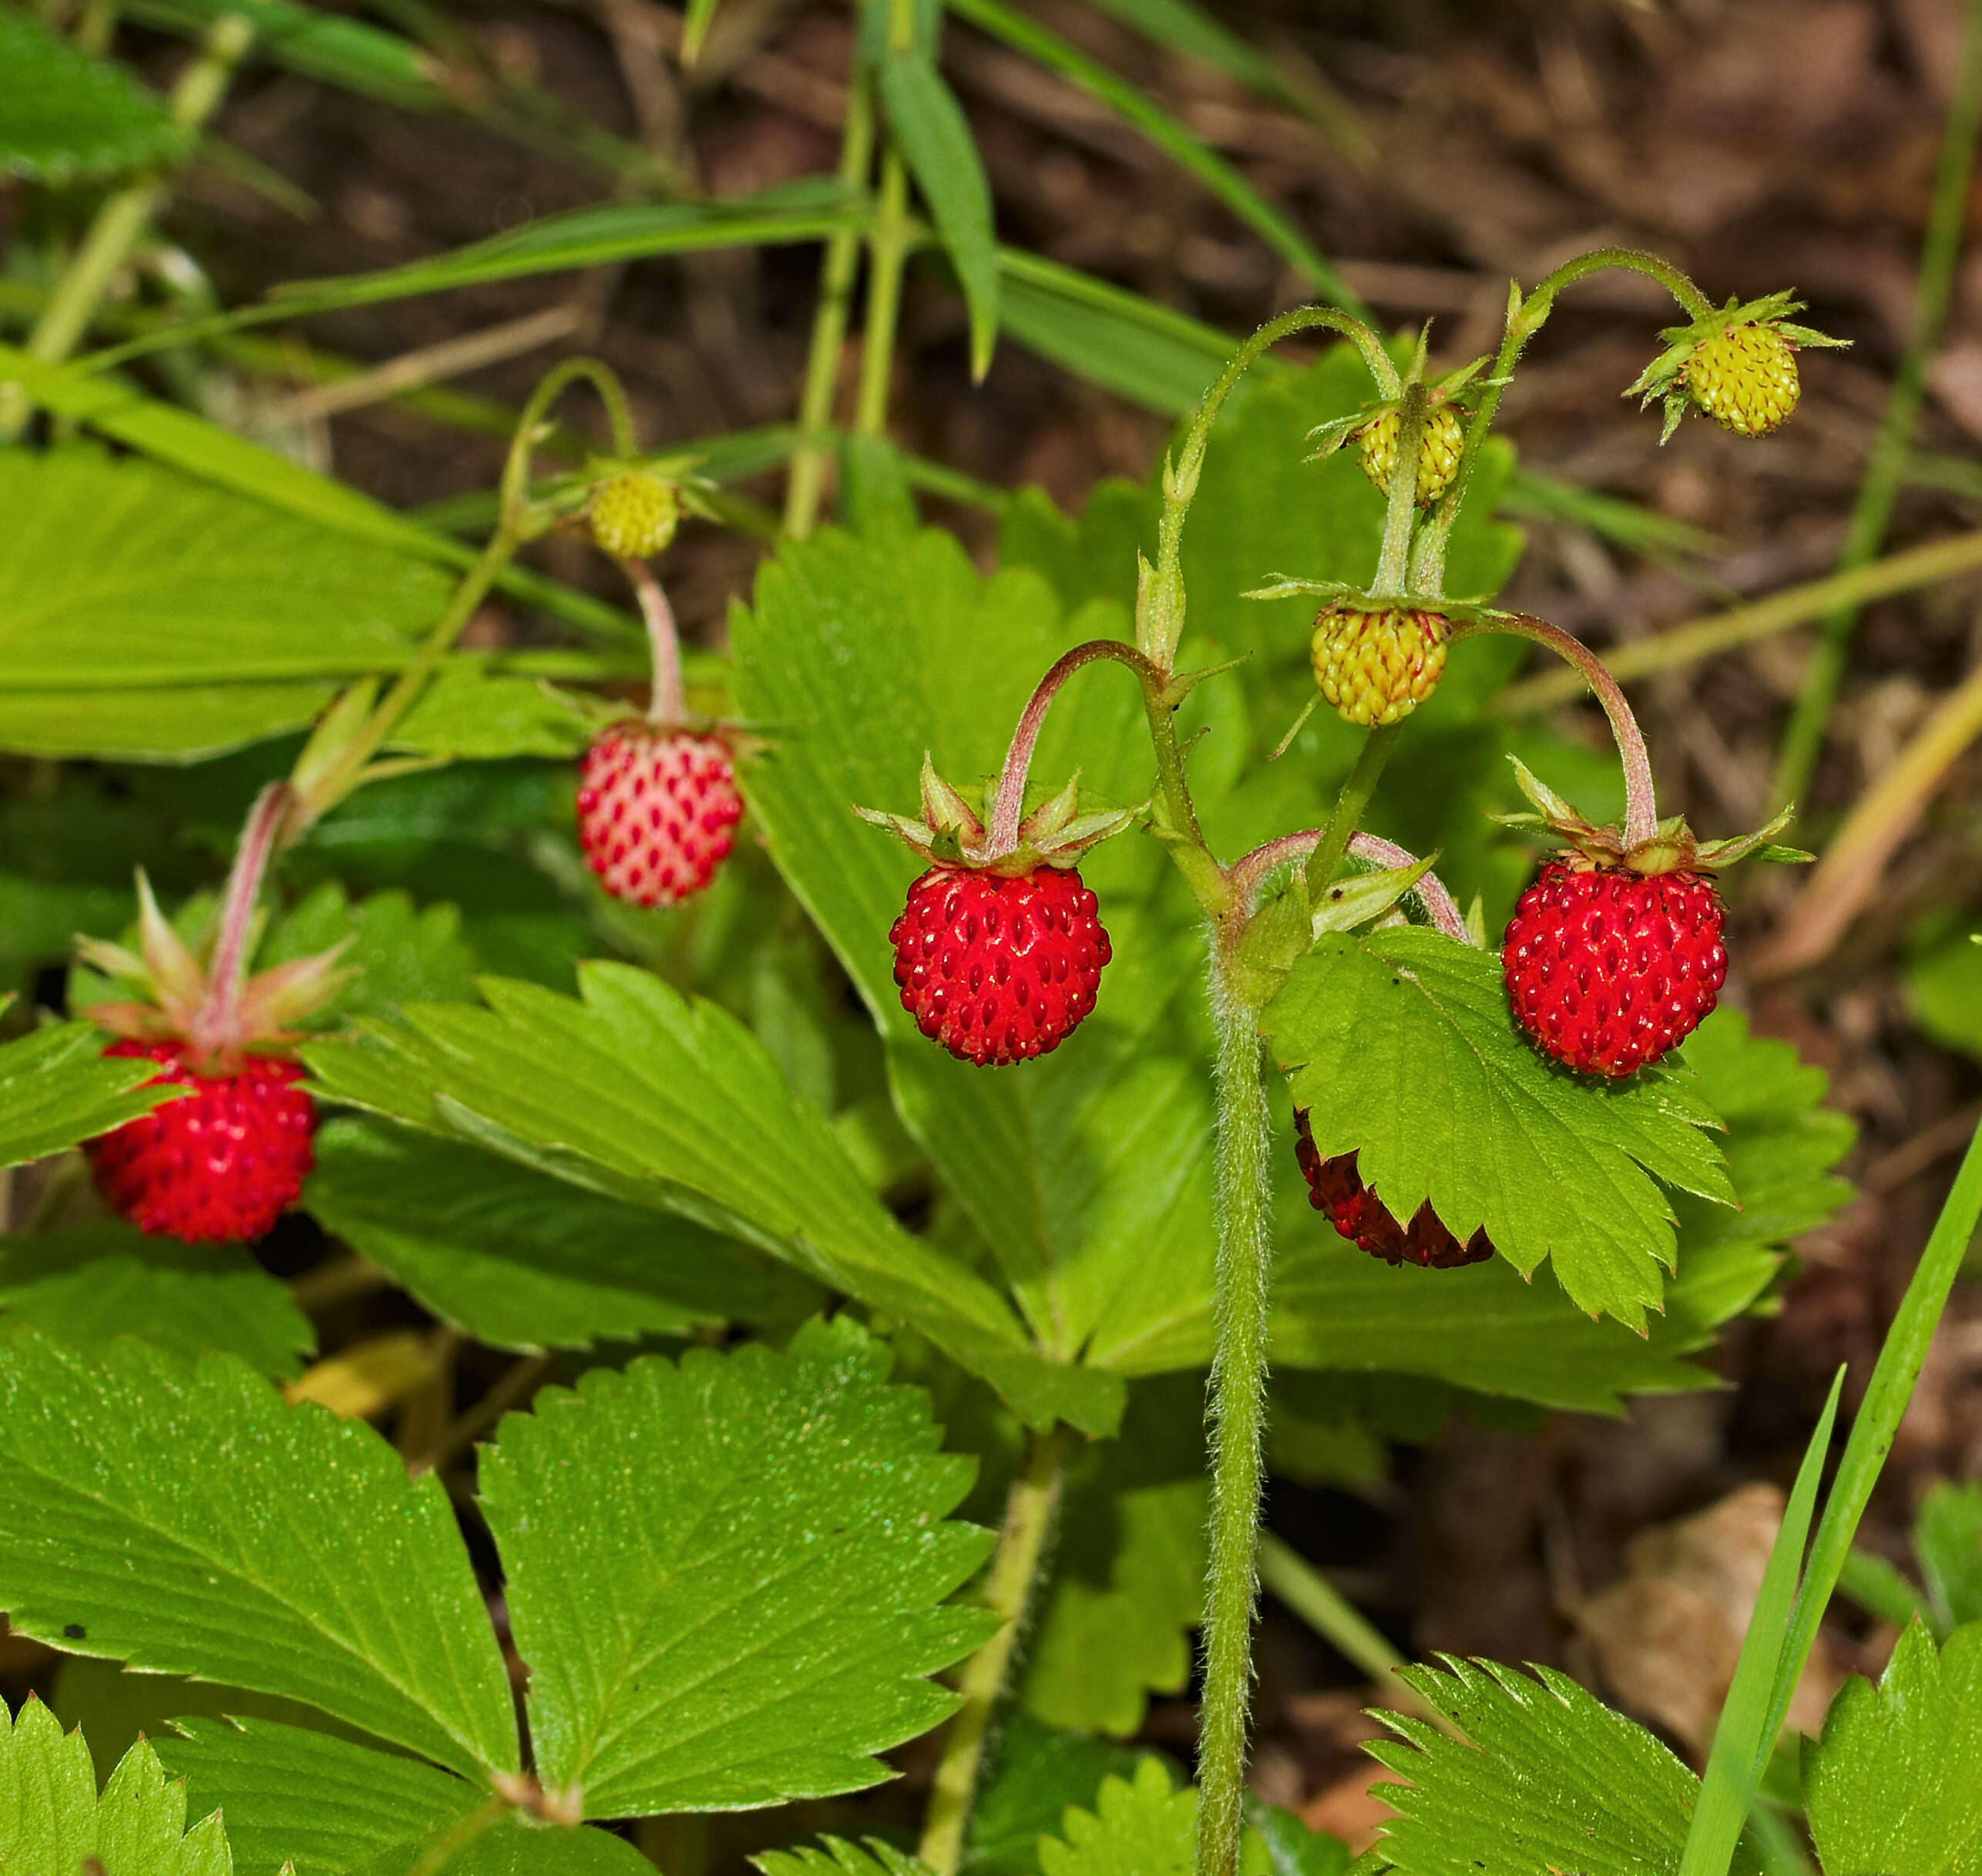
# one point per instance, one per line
(1745, 377)
(633, 516)
(1377, 667)
(1440, 444)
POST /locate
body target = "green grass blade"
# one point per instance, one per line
(701, 16)
(1745, 1734)
(1136, 107)
(933, 136)
(341, 52)
(1879, 1415)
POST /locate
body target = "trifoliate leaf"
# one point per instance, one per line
(668, 1101)
(1947, 1539)
(236, 1561)
(1142, 1827)
(726, 1575)
(1892, 1785)
(833, 1856)
(519, 1260)
(1128, 1579)
(125, 584)
(84, 1286)
(1551, 1781)
(1400, 1047)
(1038, 1772)
(52, 1819)
(64, 115)
(56, 1088)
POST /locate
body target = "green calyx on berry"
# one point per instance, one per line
(950, 832)
(1737, 365)
(176, 997)
(1377, 429)
(1672, 849)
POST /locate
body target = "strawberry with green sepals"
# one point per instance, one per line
(224, 1160)
(1000, 949)
(1615, 954)
(1738, 365)
(1378, 429)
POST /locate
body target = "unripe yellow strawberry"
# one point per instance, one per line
(1440, 446)
(634, 516)
(1377, 667)
(1744, 378)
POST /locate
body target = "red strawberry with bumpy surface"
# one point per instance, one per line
(1608, 969)
(655, 812)
(219, 1164)
(1336, 1187)
(999, 967)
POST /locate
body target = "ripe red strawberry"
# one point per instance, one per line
(1336, 1187)
(999, 967)
(1607, 968)
(656, 809)
(220, 1165)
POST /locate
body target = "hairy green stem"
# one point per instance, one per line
(803, 490)
(1803, 740)
(1238, 1413)
(1400, 511)
(1008, 1590)
(1525, 318)
(1351, 804)
(1160, 607)
(121, 221)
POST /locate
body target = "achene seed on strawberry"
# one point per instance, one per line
(657, 810)
(1335, 1186)
(998, 968)
(219, 1165)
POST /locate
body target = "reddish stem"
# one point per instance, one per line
(1008, 804)
(1641, 805)
(668, 705)
(218, 1017)
(1246, 873)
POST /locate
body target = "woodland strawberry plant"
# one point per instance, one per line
(888, 1136)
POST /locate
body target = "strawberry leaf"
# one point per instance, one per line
(50, 1818)
(520, 1260)
(667, 1101)
(835, 1856)
(1401, 1048)
(1892, 1783)
(1551, 1780)
(129, 593)
(57, 1087)
(1037, 1774)
(1137, 1827)
(246, 1541)
(758, 1618)
(1128, 1581)
(87, 1284)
